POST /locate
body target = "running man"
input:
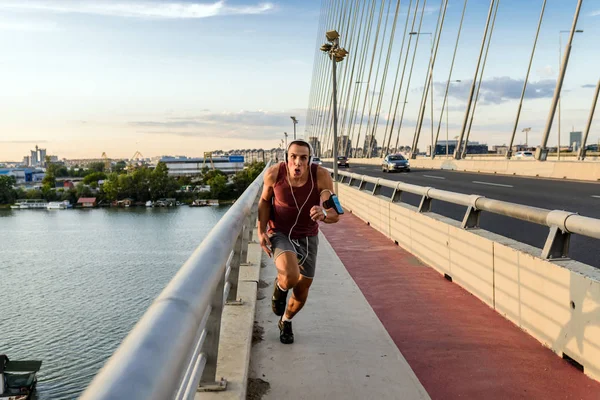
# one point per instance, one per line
(288, 213)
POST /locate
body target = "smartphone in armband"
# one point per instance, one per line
(334, 203)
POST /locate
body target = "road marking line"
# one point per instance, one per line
(493, 184)
(434, 177)
(598, 197)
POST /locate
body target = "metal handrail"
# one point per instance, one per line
(561, 223)
(176, 341)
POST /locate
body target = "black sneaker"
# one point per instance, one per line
(286, 335)
(279, 300)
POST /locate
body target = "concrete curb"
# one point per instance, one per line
(236, 332)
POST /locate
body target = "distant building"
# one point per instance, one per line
(344, 146)
(502, 150)
(33, 160)
(316, 145)
(183, 166)
(370, 146)
(87, 202)
(472, 148)
(575, 140)
(42, 157)
(23, 176)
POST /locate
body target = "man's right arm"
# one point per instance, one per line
(264, 207)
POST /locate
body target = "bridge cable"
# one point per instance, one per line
(384, 82)
(362, 61)
(357, 87)
(396, 80)
(450, 77)
(403, 68)
(429, 76)
(410, 74)
(370, 71)
(512, 137)
(468, 109)
(464, 151)
(381, 48)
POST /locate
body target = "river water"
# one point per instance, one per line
(74, 282)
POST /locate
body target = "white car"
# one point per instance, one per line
(317, 160)
(525, 155)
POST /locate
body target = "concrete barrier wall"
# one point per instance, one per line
(558, 303)
(573, 170)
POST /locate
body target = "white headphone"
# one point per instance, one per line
(310, 160)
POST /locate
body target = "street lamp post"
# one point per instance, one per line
(336, 54)
(526, 130)
(559, 96)
(295, 121)
(286, 135)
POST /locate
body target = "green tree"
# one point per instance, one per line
(96, 167)
(111, 187)
(33, 194)
(70, 195)
(120, 167)
(49, 180)
(94, 177)
(161, 184)
(7, 193)
(218, 186)
(82, 190)
(58, 170)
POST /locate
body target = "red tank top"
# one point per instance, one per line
(284, 210)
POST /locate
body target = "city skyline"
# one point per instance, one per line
(125, 76)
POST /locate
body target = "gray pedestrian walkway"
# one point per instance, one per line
(341, 349)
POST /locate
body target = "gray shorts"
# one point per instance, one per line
(305, 249)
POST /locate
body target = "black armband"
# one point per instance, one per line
(334, 203)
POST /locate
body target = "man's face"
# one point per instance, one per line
(298, 160)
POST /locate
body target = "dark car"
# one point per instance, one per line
(342, 161)
(395, 162)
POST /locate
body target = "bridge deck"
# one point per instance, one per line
(341, 349)
(457, 346)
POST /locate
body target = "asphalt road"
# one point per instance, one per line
(580, 197)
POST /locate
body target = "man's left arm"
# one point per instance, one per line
(325, 186)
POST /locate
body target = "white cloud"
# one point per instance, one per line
(243, 124)
(28, 26)
(595, 13)
(546, 72)
(137, 9)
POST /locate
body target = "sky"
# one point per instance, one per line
(181, 77)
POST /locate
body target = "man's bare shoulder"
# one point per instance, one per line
(322, 173)
(271, 174)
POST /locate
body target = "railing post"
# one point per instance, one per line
(362, 184)
(557, 243)
(396, 196)
(376, 188)
(425, 205)
(471, 219)
(208, 381)
(234, 273)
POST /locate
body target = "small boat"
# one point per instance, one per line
(149, 203)
(199, 203)
(17, 378)
(57, 205)
(34, 204)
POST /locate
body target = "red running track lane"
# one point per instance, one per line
(458, 347)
